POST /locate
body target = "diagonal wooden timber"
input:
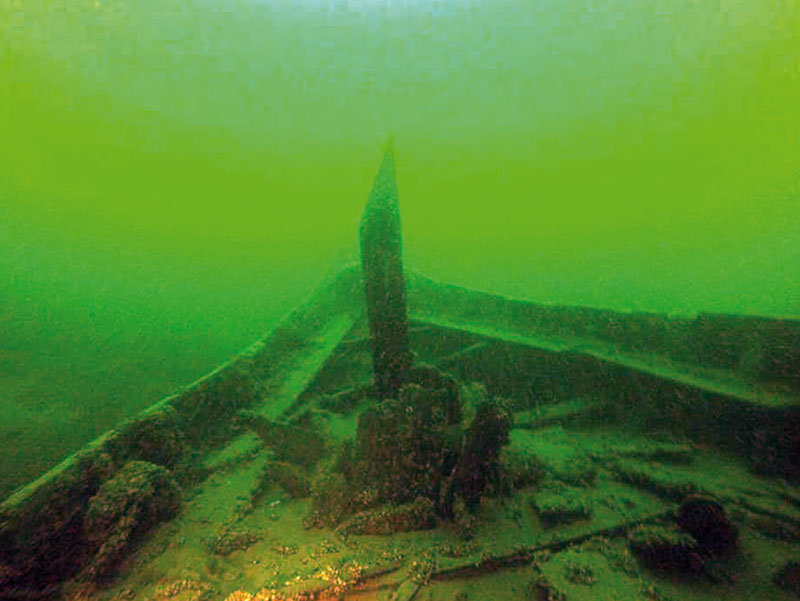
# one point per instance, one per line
(569, 331)
(384, 283)
(716, 381)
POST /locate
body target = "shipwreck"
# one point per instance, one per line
(402, 438)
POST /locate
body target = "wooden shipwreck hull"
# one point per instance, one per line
(440, 443)
(726, 381)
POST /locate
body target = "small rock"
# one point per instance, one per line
(704, 518)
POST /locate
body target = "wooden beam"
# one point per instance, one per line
(384, 282)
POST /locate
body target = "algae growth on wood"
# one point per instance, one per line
(494, 449)
(384, 282)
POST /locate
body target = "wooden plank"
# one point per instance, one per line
(715, 381)
(384, 282)
(297, 374)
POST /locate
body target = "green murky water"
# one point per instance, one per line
(177, 175)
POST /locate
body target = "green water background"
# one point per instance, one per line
(176, 175)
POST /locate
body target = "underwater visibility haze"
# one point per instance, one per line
(177, 176)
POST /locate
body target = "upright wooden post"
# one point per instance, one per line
(384, 284)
